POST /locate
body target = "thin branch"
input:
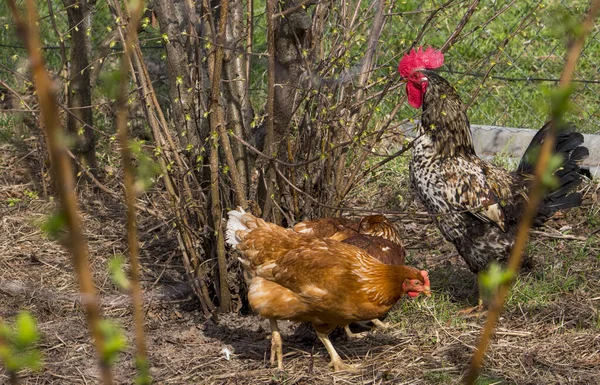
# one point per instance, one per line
(295, 8)
(461, 25)
(535, 196)
(63, 175)
(130, 195)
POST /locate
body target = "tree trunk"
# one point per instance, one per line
(181, 91)
(79, 97)
(289, 43)
(237, 87)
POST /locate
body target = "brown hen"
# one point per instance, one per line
(374, 233)
(302, 278)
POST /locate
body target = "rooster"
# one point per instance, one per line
(325, 282)
(476, 205)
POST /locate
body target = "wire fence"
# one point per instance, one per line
(506, 55)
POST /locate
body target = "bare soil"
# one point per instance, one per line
(550, 340)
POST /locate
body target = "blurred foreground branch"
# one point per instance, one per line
(535, 195)
(62, 176)
(130, 195)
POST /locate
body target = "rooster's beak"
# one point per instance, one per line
(403, 80)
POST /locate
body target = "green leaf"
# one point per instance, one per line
(27, 333)
(116, 271)
(491, 279)
(110, 82)
(549, 180)
(114, 341)
(54, 226)
(19, 351)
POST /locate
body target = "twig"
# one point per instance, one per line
(535, 196)
(63, 175)
(461, 25)
(558, 236)
(130, 195)
(294, 8)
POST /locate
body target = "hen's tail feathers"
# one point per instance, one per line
(260, 243)
(570, 145)
(234, 223)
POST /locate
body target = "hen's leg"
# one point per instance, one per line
(276, 344)
(353, 335)
(336, 360)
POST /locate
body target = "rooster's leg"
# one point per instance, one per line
(336, 360)
(276, 344)
(381, 325)
(353, 335)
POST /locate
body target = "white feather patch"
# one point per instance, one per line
(234, 223)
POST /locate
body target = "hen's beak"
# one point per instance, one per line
(427, 291)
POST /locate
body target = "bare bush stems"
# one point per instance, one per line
(130, 191)
(63, 175)
(535, 196)
(365, 73)
(177, 181)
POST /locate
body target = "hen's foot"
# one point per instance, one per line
(339, 365)
(381, 325)
(353, 335)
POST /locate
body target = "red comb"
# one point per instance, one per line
(420, 59)
(425, 278)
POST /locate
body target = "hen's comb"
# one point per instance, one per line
(420, 59)
(425, 278)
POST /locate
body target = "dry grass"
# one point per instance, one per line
(549, 333)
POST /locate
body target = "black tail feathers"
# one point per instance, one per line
(570, 144)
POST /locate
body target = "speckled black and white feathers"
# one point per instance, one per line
(476, 205)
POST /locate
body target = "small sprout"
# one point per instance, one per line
(116, 271)
(549, 180)
(491, 279)
(143, 377)
(146, 170)
(12, 201)
(54, 226)
(18, 350)
(114, 341)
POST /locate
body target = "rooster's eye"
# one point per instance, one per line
(424, 79)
